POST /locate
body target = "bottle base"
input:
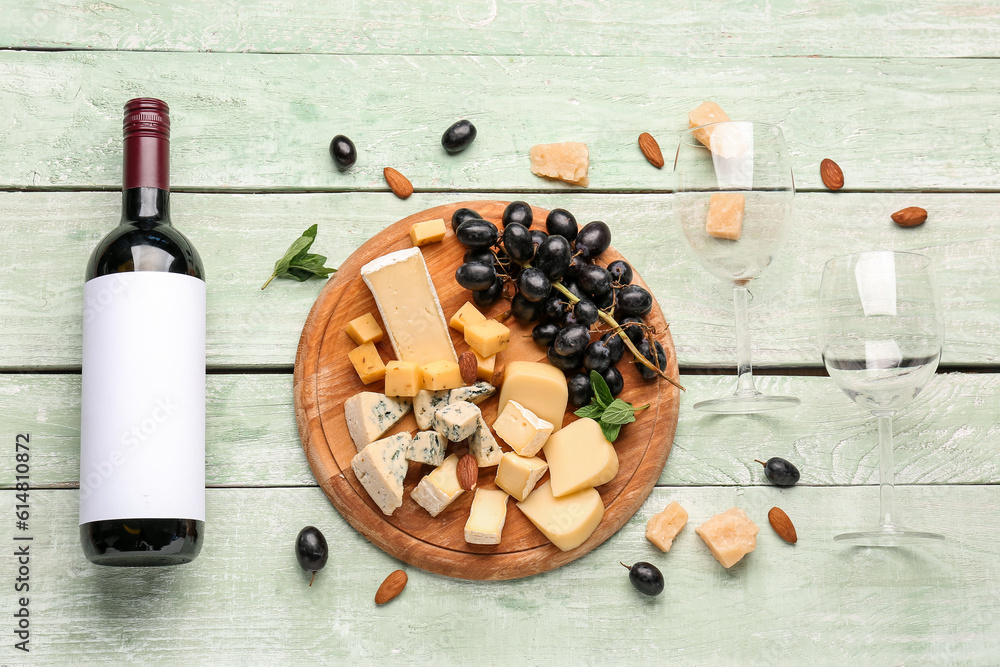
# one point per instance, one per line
(142, 542)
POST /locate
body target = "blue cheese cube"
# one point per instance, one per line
(426, 403)
(456, 421)
(369, 415)
(381, 469)
(476, 393)
(427, 447)
(484, 446)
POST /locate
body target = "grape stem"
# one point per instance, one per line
(617, 328)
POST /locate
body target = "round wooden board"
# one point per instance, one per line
(325, 378)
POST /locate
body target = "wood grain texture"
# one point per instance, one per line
(245, 600)
(46, 237)
(947, 435)
(526, 27)
(251, 122)
(325, 379)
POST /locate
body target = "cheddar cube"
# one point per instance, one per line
(467, 314)
(662, 528)
(487, 338)
(725, 215)
(730, 536)
(441, 374)
(485, 366)
(402, 378)
(706, 113)
(364, 329)
(367, 363)
(517, 475)
(567, 162)
(428, 231)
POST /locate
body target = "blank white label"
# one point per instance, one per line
(142, 436)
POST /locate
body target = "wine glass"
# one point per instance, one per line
(881, 336)
(733, 203)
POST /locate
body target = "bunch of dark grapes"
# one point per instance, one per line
(531, 260)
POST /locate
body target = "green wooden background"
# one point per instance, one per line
(903, 95)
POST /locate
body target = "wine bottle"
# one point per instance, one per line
(142, 436)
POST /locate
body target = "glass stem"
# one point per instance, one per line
(744, 369)
(886, 479)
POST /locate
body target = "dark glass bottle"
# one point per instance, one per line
(142, 339)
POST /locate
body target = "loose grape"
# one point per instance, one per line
(572, 340)
(634, 300)
(461, 215)
(545, 333)
(580, 393)
(594, 280)
(517, 211)
(780, 472)
(614, 379)
(621, 272)
(477, 234)
(593, 239)
(615, 345)
(585, 312)
(487, 297)
(311, 550)
(525, 310)
(343, 152)
(475, 276)
(646, 578)
(459, 136)
(565, 364)
(533, 284)
(517, 242)
(597, 357)
(553, 257)
(561, 222)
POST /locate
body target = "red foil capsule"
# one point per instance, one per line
(146, 128)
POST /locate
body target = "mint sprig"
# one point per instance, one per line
(299, 263)
(609, 412)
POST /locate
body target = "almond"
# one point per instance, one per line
(651, 149)
(909, 217)
(831, 174)
(391, 587)
(399, 184)
(468, 472)
(782, 525)
(468, 366)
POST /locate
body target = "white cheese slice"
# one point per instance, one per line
(408, 302)
(522, 429)
(487, 517)
(381, 468)
(426, 403)
(456, 421)
(369, 415)
(427, 447)
(484, 446)
(440, 488)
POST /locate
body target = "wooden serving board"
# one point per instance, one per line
(325, 378)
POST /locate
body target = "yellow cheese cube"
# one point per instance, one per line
(567, 161)
(662, 528)
(402, 378)
(517, 475)
(487, 517)
(730, 536)
(707, 112)
(568, 521)
(367, 363)
(467, 314)
(725, 215)
(441, 374)
(579, 457)
(539, 387)
(364, 329)
(428, 231)
(486, 366)
(488, 337)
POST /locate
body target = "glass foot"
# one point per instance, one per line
(743, 405)
(887, 536)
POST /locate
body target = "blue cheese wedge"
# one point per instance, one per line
(476, 393)
(381, 468)
(440, 488)
(487, 517)
(369, 415)
(484, 446)
(456, 421)
(426, 403)
(427, 447)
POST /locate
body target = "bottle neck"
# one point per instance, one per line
(146, 206)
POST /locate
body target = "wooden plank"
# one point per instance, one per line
(947, 436)
(526, 27)
(45, 239)
(245, 600)
(252, 122)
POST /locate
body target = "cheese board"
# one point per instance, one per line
(325, 379)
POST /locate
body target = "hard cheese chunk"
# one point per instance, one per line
(441, 374)
(426, 403)
(520, 428)
(440, 488)
(580, 458)
(487, 338)
(567, 521)
(539, 387)
(364, 329)
(706, 113)
(487, 517)
(567, 161)
(402, 378)
(456, 421)
(485, 366)
(730, 536)
(381, 468)
(427, 447)
(484, 446)
(409, 305)
(367, 363)
(369, 415)
(474, 393)
(725, 215)
(662, 528)
(428, 231)
(517, 475)
(467, 314)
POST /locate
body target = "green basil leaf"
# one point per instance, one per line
(591, 411)
(299, 247)
(602, 394)
(298, 262)
(295, 272)
(619, 412)
(610, 431)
